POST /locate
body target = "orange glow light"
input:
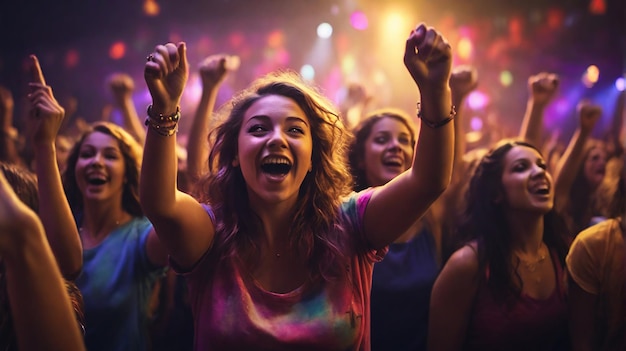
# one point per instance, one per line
(151, 8)
(117, 50)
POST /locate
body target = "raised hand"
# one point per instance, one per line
(45, 112)
(166, 73)
(428, 58)
(589, 114)
(542, 87)
(214, 69)
(122, 86)
(463, 80)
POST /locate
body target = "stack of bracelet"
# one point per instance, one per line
(163, 125)
(438, 124)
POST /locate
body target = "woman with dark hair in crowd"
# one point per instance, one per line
(503, 290)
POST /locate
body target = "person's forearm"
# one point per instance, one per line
(158, 173)
(132, 124)
(532, 124)
(55, 213)
(460, 143)
(435, 148)
(197, 145)
(42, 314)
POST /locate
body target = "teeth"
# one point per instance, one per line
(393, 159)
(276, 161)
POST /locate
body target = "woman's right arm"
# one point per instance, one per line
(451, 301)
(181, 223)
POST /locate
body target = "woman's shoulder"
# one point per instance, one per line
(599, 233)
(465, 259)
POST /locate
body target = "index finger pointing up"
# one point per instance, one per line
(35, 71)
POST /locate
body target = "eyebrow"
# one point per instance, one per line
(107, 148)
(289, 118)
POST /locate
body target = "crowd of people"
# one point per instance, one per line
(287, 223)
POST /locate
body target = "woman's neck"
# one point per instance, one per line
(99, 219)
(526, 232)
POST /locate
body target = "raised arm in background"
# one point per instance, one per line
(463, 80)
(541, 89)
(213, 71)
(571, 160)
(353, 106)
(122, 87)
(54, 210)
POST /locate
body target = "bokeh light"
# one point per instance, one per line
(477, 100)
(476, 123)
(358, 20)
(591, 76)
(151, 8)
(117, 50)
(506, 78)
(72, 57)
(307, 72)
(620, 84)
(464, 48)
(324, 30)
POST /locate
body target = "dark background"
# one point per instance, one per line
(73, 40)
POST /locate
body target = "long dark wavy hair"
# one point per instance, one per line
(484, 222)
(316, 231)
(362, 132)
(131, 152)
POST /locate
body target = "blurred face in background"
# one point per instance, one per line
(594, 166)
(388, 151)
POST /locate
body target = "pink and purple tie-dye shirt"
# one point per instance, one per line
(233, 312)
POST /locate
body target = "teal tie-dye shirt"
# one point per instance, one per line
(233, 312)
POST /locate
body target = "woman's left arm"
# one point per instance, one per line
(399, 203)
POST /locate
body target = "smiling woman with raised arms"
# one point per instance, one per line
(276, 254)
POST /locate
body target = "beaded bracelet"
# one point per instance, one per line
(161, 129)
(435, 125)
(174, 117)
(163, 125)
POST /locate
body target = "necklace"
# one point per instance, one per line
(532, 264)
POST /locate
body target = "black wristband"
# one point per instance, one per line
(435, 125)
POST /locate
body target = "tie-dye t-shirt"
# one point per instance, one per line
(233, 312)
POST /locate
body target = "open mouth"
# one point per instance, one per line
(392, 162)
(541, 190)
(96, 180)
(276, 166)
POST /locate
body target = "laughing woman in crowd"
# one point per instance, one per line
(122, 256)
(503, 290)
(276, 256)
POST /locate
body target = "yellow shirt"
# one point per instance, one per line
(596, 263)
